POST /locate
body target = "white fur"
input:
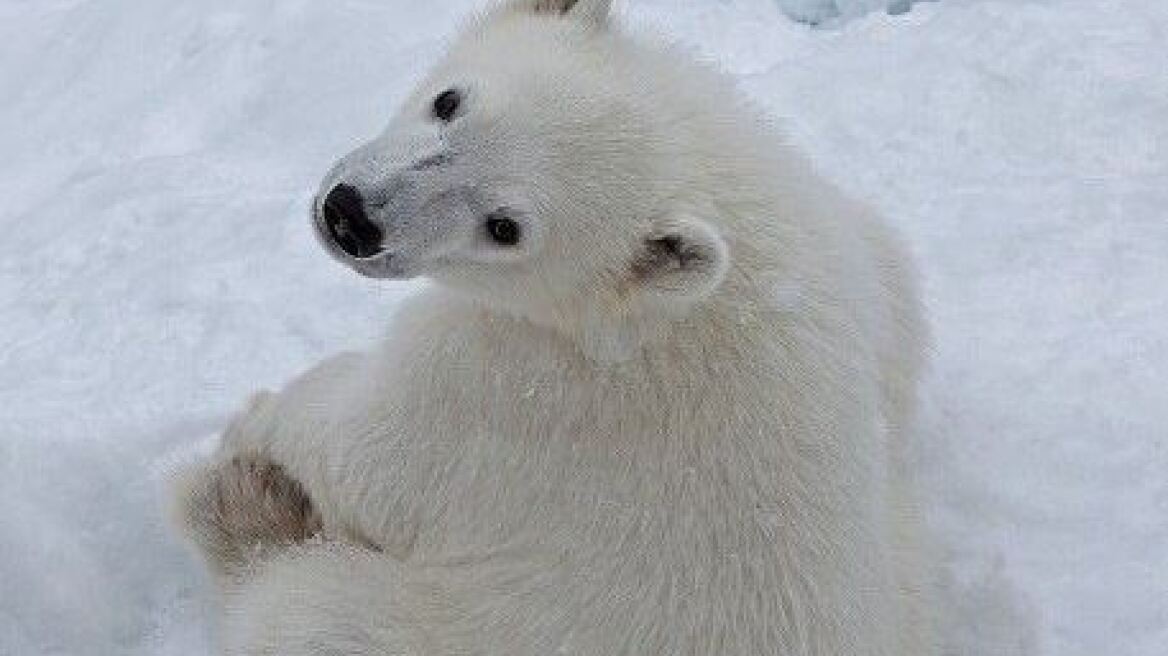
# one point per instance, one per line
(583, 449)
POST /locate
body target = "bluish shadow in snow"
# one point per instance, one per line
(828, 13)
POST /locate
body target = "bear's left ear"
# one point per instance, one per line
(682, 259)
(590, 11)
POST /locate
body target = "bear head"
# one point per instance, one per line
(534, 168)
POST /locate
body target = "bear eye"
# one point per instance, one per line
(503, 231)
(446, 105)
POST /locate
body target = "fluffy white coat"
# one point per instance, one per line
(619, 453)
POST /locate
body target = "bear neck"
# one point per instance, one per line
(616, 328)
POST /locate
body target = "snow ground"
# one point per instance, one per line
(820, 12)
(156, 267)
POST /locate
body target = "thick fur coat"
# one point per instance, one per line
(667, 419)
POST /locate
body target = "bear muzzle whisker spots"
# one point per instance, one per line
(433, 161)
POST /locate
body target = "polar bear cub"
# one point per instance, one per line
(654, 403)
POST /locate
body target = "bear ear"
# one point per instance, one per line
(590, 11)
(681, 259)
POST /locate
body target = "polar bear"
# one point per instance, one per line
(654, 403)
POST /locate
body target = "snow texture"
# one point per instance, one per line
(156, 267)
(817, 12)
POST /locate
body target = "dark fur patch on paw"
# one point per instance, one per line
(240, 510)
(257, 503)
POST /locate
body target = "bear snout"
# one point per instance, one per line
(347, 225)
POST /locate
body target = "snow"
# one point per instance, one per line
(832, 11)
(156, 267)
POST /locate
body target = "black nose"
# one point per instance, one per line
(348, 224)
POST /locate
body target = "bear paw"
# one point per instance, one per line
(243, 508)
